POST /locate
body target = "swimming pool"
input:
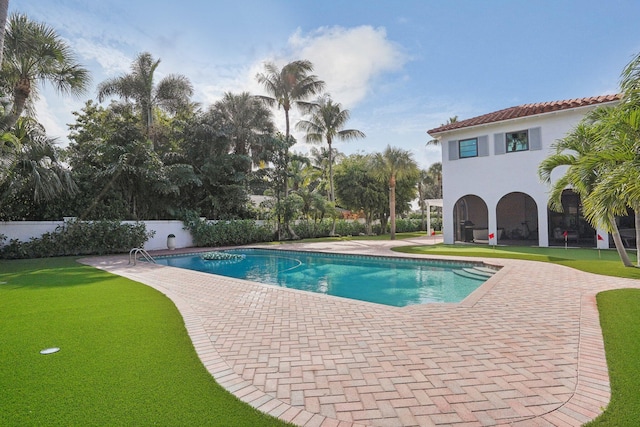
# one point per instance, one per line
(384, 280)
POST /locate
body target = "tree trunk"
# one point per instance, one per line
(4, 7)
(636, 211)
(624, 257)
(332, 197)
(292, 233)
(21, 93)
(392, 206)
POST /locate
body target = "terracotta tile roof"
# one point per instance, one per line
(524, 111)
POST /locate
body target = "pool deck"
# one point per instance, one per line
(524, 350)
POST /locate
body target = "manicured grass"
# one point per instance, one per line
(399, 236)
(605, 261)
(620, 321)
(125, 357)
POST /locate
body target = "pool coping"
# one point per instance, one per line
(590, 394)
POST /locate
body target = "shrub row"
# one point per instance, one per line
(80, 238)
(306, 230)
(228, 233)
(408, 225)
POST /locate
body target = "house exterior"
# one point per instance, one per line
(492, 192)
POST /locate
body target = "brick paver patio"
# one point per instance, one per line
(525, 349)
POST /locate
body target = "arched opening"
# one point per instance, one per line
(471, 219)
(570, 226)
(627, 228)
(517, 219)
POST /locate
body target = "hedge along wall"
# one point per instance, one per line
(25, 230)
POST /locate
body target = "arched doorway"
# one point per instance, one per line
(471, 219)
(570, 225)
(517, 219)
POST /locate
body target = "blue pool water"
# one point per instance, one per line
(383, 280)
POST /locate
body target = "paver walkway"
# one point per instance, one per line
(524, 350)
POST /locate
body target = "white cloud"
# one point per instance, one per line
(112, 61)
(50, 119)
(348, 59)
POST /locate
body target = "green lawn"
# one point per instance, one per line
(605, 261)
(620, 320)
(125, 357)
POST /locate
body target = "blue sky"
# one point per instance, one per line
(401, 67)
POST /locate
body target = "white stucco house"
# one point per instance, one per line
(492, 193)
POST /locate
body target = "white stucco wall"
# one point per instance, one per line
(494, 176)
(25, 230)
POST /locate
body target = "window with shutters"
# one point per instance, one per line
(468, 148)
(517, 141)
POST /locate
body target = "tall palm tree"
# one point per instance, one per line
(576, 152)
(170, 94)
(33, 55)
(391, 165)
(618, 186)
(247, 123)
(288, 86)
(327, 122)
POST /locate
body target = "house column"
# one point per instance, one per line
(543, 223)
(492, 219)
(448, 226)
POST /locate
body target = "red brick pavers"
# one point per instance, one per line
(526, 349)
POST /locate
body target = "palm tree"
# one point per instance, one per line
(327, 122)
(450, 120)
(33, 55)
(288, 86)
(320, 160)
(170, 94)
(576, 152)
(247, 123)
(35, 166)
(630, 81)
(618, 186)
(394, 164)
(429, 187)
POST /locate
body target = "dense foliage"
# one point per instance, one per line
(80, 238)
(226, 233)
(152, 153)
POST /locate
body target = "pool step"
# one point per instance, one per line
(480, 271)
(470, 274)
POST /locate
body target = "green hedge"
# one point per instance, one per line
(228, 233)
(323, 228)
(408, 225)
(80, 238)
